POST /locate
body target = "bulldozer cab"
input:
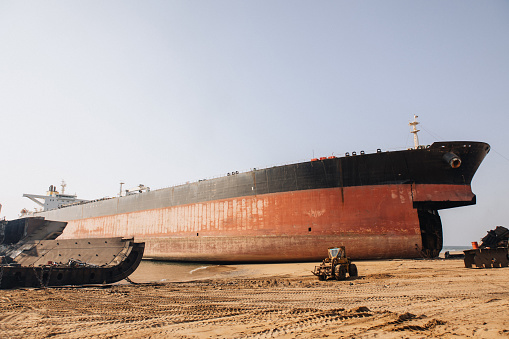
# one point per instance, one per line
(336, 252)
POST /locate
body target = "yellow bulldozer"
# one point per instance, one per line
(336, 266)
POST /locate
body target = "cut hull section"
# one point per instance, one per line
(45, 263)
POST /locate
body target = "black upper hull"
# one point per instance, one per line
(419, 166)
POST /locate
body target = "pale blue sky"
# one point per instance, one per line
(164, 92)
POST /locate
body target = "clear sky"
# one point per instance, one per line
(164, 92)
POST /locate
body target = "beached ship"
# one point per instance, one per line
(378, 205)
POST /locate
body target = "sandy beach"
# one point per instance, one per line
(389, 299)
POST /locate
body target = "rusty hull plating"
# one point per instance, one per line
(380, 205)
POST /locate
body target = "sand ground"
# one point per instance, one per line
(389, 299)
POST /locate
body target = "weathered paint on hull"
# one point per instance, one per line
(377, 221)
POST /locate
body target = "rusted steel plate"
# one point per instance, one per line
(98, 251)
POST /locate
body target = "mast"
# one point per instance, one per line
(63, 185)
(415, 130)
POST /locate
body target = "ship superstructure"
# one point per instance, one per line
(53, 199)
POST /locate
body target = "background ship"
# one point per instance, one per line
(379, 205)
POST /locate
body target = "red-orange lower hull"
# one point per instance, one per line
(371, 221)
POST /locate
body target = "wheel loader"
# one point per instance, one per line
(336, 266)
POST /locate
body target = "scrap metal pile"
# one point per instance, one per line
(492, 252)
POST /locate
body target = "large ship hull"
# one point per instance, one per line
(380, 205)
